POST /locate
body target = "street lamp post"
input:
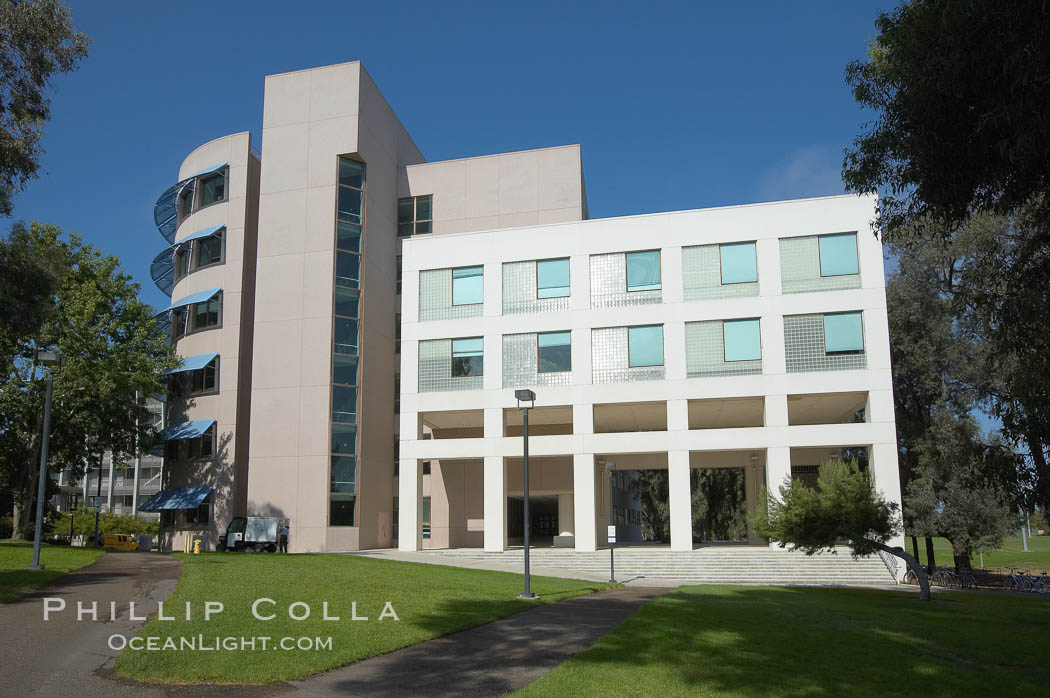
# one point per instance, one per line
(48, 358)
(530, 397)
(610, 467)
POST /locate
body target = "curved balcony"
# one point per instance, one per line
(166, 210)
(162, 270)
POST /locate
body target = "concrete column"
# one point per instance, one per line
(566, 517)
(885, 470)
(680, 500)
(752, 485)
(495, 504)
(493, 422)
(778, 470)
(583, 485)
(677, 415)
(410, 505)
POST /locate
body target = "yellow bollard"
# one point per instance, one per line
(196, 546)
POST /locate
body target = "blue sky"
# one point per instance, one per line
(676, 105)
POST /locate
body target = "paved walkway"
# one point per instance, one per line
(489, 660)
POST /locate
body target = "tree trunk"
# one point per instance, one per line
(915, 547)
(931, 562)
(16, 514)
(962, 561)
(913, 565)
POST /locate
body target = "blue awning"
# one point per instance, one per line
(198, 297)
(178, 498)
(201, 234)
(186, 430)
(207, 170)
(193, 363)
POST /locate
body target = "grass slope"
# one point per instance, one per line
(760, 641)
(15, 556)
(430, 600)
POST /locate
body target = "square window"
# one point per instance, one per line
(341, 510)
(405, 210)
(344, 404)
(345, 336)
(645, 346)
(552, 278)
(838, 254)
(348, 236)
(347, 270)
(422, 227)
(343, 479)
(351, 173)
(843, 332)
(741, 340)
(554, 351)
(423, 208)
(467, 357)
(213, 188)
(344, 370)
(344, 439)
(209, 250)
(347, 302)
(467, 285)
(349, 205)
(739, 263)
(643, 271)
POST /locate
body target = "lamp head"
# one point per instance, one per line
(525, 394)
(48, 358)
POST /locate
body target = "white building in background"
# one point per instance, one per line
(354, 320)
(751, 337)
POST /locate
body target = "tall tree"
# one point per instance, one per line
(37, 41)
(115, 355)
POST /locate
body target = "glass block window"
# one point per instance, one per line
(801, 266)
(344, 475)
(805, 348)
(843, 332)
(415, 215)
(610, 358)
(439, 289)
(523, 354)
(709, 346)
(521, 286)
(645, 346)
(467, 285)
(643, 271)
(703, 274)
(552, 278)
(554, 351)
(741, 339)
(739, 263)
(838, 254)
(213, 188)
(610, 286)
(467, 357)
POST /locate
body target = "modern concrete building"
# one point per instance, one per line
(349, 312)
(750, 337)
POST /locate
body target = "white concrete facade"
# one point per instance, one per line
(775, 442)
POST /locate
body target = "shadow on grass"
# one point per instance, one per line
(491, 659)
(762, 641)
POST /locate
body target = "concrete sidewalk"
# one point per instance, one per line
(489, 660)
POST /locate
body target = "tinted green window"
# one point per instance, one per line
(739, 263)
(838, 254)
(843, 332)
(467, 285)
(344, 439)
(351, 173)
(643, 271)
(347, 302)
(344, 474)
(742, 340)
(554, 351)
(347, 270)
(213, 188)
(348, 236)
(645, 345)
(349, 205)
(467, 357)
(345, 336)
(344, 370)
(406, 210)
(209, 250)
(552, 278)
(344, 404)
(341, 511)
(182, 263)
(423, 208)
(206, 314)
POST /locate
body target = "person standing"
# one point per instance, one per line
(282, 537)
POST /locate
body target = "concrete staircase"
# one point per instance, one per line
(710, 565)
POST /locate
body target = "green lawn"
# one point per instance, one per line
(430, 600)
(15, 556)
(761, 641)
(1010, 555)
